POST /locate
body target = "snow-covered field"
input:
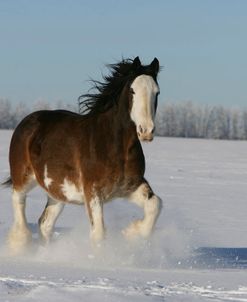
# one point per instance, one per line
(197, 252)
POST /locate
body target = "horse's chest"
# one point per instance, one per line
(130, 163)
(115, 175)
(132, 170)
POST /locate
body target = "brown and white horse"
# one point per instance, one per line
(88, 158)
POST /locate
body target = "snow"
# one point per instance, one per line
(193, 255)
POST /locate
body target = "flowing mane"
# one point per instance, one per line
(107, 92)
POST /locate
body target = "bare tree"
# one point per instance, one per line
(41, 104)
(190, 120)
(20, 112)
(6, 118)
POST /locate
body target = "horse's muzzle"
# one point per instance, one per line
(145, 137)
(144, 134)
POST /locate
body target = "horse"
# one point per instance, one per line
(88, 158)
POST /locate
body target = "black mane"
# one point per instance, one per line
(107, 92)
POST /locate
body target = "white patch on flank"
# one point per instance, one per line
(71, 192)
(47, 180)
(142, 112)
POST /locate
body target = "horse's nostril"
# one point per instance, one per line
(140, 129)
(153, 130)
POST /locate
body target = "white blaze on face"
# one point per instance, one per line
(47, 180)
(145, 91)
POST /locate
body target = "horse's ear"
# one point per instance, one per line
(136, 63)
(155, 66)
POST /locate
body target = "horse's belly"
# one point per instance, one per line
(71, 192)
(60, 186)
(67, 192)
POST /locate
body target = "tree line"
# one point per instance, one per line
(11, 115)
(185, 119)
(188, 119)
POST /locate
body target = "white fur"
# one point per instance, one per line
(71, 192)
(143, 112)
(52, 211)
(97, 231)
(47, 180)
(19, 201)
(151, 208)
(19, 236)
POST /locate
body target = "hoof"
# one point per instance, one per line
(133, 231)
(137, 229)
(19, 241)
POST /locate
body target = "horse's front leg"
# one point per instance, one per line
(95, 213)
(151, 204)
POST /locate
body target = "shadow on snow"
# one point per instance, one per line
(219, 257)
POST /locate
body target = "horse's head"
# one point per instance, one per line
(144, 90)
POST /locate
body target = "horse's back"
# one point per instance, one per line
(39, 123)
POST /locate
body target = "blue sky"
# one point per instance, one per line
(49, 49)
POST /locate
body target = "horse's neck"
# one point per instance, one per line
(121, 127)
(124, 125)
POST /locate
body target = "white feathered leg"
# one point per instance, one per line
(49, 217)
(19, 236)
(95, 212)
(151, 204)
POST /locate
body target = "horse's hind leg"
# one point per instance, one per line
(20, 236)
(151, 204)
(48, 218)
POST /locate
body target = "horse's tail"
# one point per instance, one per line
(7, 182)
